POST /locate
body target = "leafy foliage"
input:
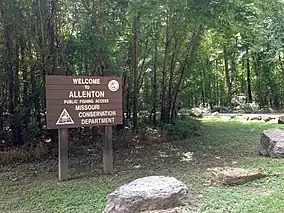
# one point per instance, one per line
(184, 127)
(170, 54)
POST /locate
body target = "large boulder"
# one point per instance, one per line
(272, 143)
(206, 111)
(232, 175)
(281, 119)
(216, 114)
(148, 193)
(196, 112)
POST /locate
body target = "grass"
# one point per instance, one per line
(34, 187)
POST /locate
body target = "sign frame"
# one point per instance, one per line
(87, 101)
(60, 84)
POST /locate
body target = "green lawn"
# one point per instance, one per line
(34, 187)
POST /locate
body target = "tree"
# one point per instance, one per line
(170, 54)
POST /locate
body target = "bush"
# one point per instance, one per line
(183, 127)
(185, 111)
(23, 155)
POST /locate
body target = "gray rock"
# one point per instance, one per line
(255, 118)
(281, 119)
(225, 110)
(216, 109)
(148, 193)
(216, 114)
(272, 143)
(196, 112)
(267, 119)
(232, 175)
(206, 112)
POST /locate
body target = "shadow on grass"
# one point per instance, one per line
(221, 143)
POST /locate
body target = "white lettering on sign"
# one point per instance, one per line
(102, 101)
(86, 107)
(70, 101)
(97, 114)
(88, 101)
(86, 81)
(86, 94)
(97, 121)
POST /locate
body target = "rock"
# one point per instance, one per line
(216, 109)
(255, 118)
(236, 116)
(225, 110)
(272, 143)
(232, 175)
(206, 112)
(148, 193)
(281, 119)
(196, 112)
(216, 114)
(267, 119)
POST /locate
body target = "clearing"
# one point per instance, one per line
(34, 187)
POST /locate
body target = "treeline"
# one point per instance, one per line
(170, 54)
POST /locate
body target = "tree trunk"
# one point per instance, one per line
(124, 93)
(228, 77)
(52, 37)
(16, 88)
(164, 75)
(2, 83)
(171, 82)
(202, 83)
(100, 21)
(155, 86)
(26, 104)
(142, 72)
(216, 84)
(248, 77)
(9, 67)
(135, 74)
(40, 101)
(99, 68)
(192, 43)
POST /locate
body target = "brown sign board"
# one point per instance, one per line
(75, 101)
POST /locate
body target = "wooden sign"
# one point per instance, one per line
(74, 101)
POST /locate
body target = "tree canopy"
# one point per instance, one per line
(171, 54)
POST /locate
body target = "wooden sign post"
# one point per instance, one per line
(108, 154)
(63, 154)
(74, 101)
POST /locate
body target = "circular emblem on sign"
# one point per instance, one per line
(113, 85)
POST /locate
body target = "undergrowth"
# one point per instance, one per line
(183, 128)
(33, 187)
(24, 154)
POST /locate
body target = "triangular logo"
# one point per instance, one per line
(64, 118)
